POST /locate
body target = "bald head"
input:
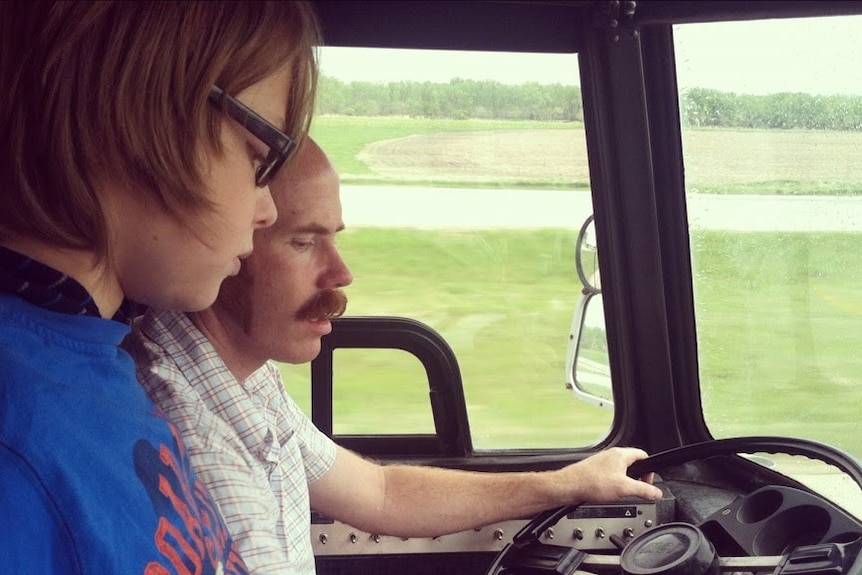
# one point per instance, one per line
(308, 170)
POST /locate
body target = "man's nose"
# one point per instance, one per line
(339, 274)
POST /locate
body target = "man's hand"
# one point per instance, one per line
(601, 478)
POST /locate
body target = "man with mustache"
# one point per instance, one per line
(263, 460)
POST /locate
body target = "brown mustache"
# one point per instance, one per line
(329, 304)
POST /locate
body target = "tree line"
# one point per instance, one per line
(459, 100)
(486, 99)
(703, 107)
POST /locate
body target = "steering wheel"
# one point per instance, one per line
(526, 554)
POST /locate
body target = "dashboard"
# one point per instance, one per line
(703, 525)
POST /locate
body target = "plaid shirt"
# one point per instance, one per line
(248, 441)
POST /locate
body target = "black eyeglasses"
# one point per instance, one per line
(280, 144)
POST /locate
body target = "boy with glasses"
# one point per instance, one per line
(138, 142)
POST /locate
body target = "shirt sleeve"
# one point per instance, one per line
(317, 449)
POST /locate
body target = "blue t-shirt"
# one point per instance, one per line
(93, 479)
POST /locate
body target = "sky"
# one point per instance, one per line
(756, 58)
(773, 56)
(348, 64)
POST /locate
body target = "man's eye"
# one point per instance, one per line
(302, 244)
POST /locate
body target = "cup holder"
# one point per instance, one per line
(784, 531)
(760, 506)
(847, 537)
(776, 519)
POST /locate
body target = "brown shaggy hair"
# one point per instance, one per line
(116, 91)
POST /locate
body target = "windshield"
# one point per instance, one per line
(464, 184)
(772, 139)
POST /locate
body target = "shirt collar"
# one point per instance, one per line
(43, 286)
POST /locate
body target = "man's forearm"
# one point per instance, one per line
(427, 501)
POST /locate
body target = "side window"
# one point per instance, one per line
(464, 185)
(397, 374)
(772, 139)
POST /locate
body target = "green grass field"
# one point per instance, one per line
(779, 331)
(787, 162)
(343, 137)
(779, 321)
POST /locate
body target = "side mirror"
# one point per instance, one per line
(588, 373)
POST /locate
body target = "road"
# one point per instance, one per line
(419, 207)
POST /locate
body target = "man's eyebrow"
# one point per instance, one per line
(315, 229)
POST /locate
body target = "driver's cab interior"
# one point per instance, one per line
(688, 175)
